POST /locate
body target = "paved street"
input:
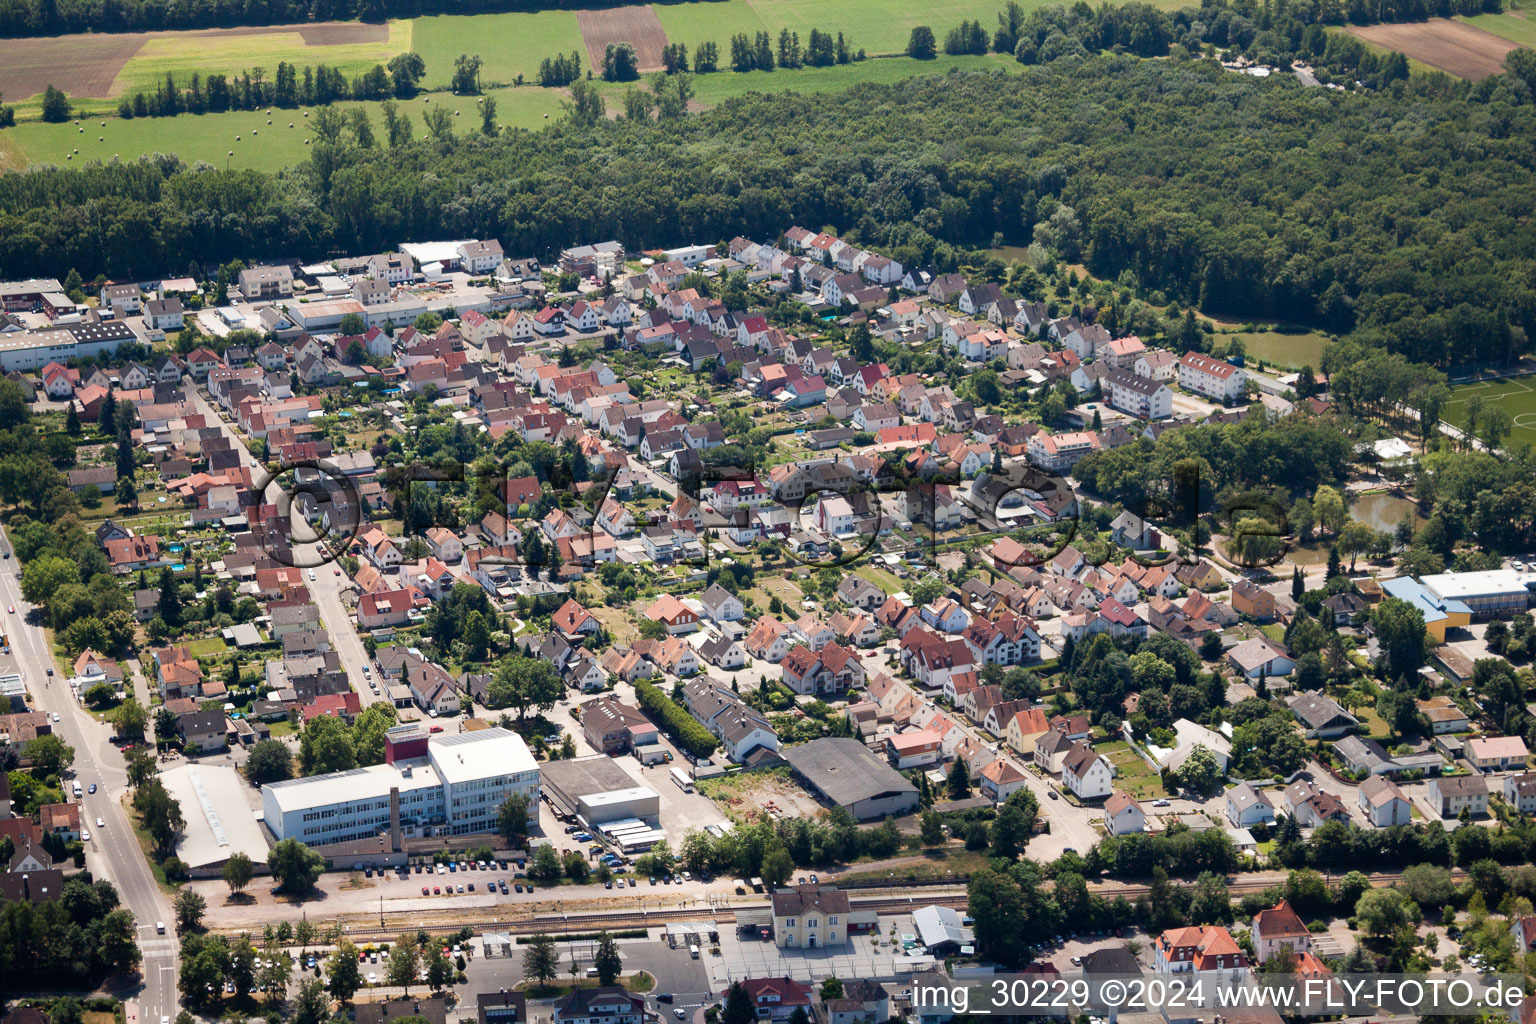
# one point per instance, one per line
(325, 586)
(113, 852)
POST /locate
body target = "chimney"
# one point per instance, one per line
(26, 887)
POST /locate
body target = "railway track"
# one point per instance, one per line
(880, 900)
(613, 921)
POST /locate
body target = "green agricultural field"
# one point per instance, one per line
(715, 22)
(878, 26)
(1517, 394)
(509, 44)
(1280, 349)
(211, 137)
(234, 54)
(1517, 27)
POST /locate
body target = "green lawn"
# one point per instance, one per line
(1274, 347)
(1516, 394)
(881, 577)
(211, 137)
(208, 647)
(1132, 775)
(1520, 30)
(509, 44)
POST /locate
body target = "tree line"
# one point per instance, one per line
(1298, 236)
(290, 87)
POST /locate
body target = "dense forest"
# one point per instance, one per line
(1401, 213)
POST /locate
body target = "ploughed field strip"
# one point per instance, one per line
(637, 26)
(1452, 46)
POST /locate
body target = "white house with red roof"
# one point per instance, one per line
(389, 607)
(549, 320)
(1212, 377)
(999, 779)
(573, 619)
(1199, 950)
(1279, 927)
(1123, 815)
(583, 316)
(672, 613)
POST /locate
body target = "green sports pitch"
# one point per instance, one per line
(1516, 394)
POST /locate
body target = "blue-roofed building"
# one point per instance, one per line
(1439, 612)
(1492, 594)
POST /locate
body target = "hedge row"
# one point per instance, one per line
(675, 721)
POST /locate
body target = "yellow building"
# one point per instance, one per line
(1024, 728)
(809, 916)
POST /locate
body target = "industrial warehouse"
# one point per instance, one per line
(844, 773)
(596, 792)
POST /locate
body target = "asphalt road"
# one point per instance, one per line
(325, 586)
(113, 851)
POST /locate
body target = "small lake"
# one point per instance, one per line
(1381, 510)
(1384, 511)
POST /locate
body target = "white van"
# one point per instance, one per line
(159, 927)
(693, 950)
(77, 790)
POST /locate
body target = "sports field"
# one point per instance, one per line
(263, 146)
(1517, 394)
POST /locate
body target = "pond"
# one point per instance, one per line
(1384, 511)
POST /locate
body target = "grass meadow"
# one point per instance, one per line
(509, 44)
(1277, 348)
(1517, 27)
(211, 137)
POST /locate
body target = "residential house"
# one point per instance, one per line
(1086, 772)
(1321, 716)
(1496, 753)
(1450, 795)
(1385, 804)
(1212, 377)
(1247, 806)
(1197, 949)
(1276, 928)
(1000, 779)
(1259, 657)
(1248, 598)
(1123, 815)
